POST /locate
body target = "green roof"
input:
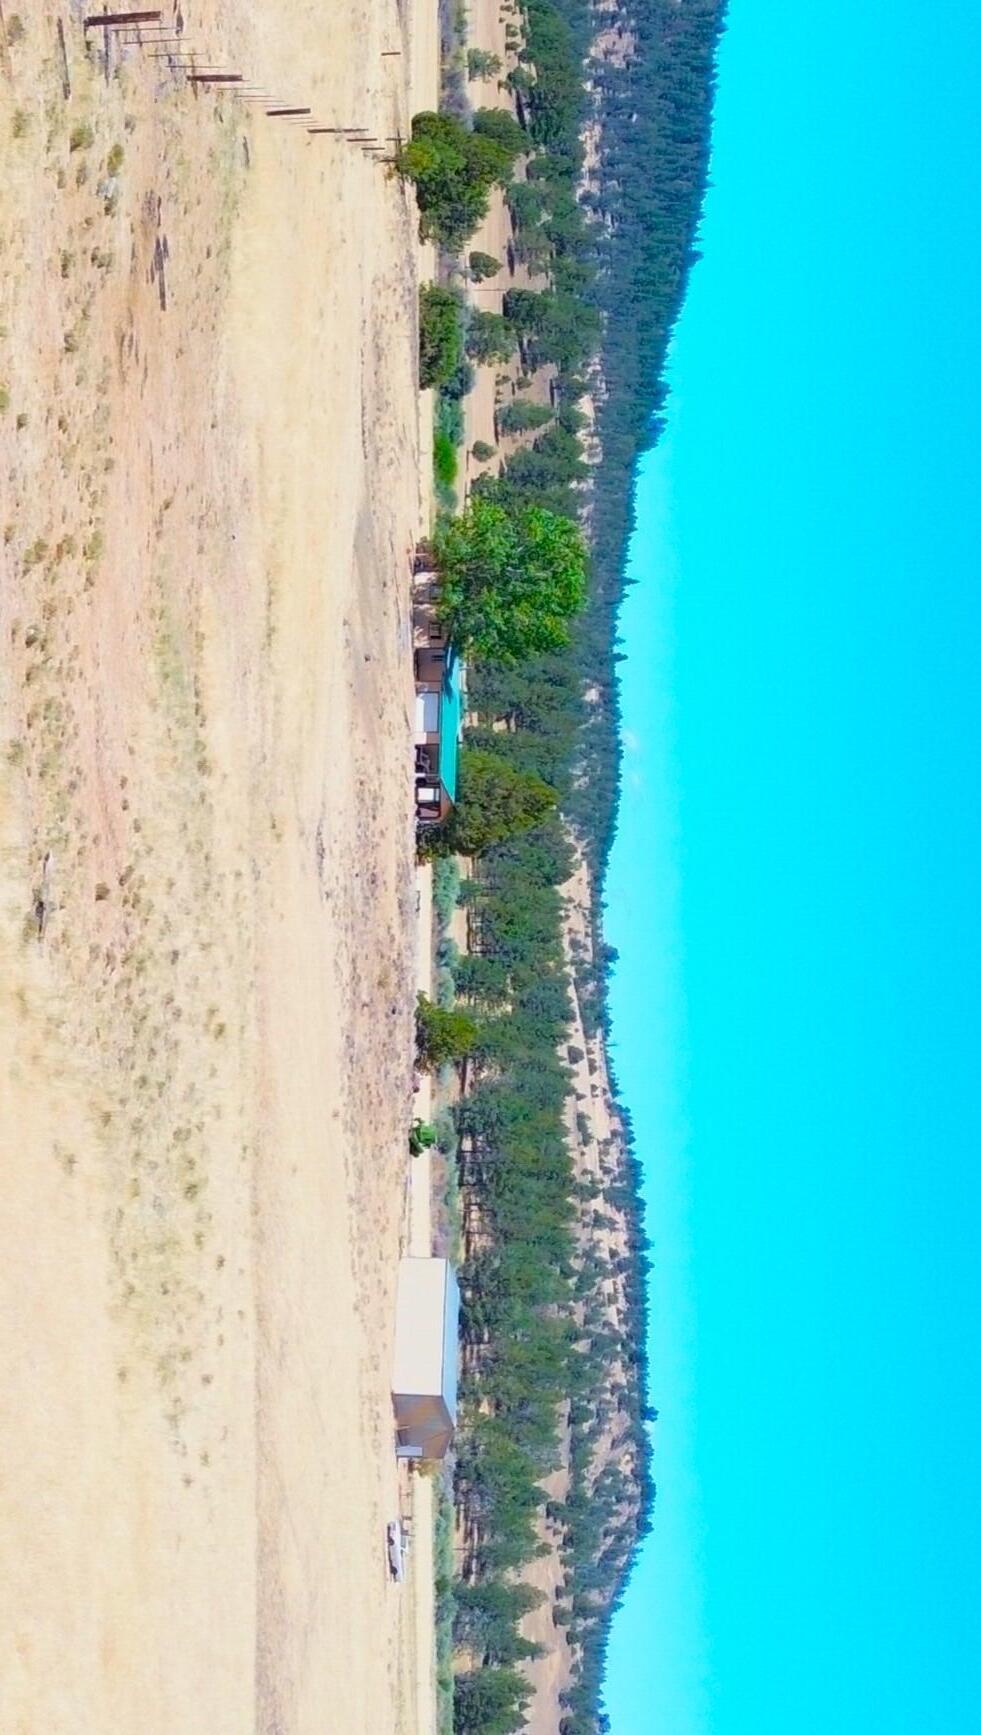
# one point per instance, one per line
(450, 722)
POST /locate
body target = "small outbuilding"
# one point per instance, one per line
(440, 682)
(439, 721)
(426, 1351)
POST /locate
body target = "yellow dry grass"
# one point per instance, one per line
(209, 480)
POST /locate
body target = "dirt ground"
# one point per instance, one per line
(209, 487)
(499, 383)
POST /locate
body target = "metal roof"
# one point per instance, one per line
(424, 1376)
(450, 722)
(451, 1340)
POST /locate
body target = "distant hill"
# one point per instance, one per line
(553, 1482)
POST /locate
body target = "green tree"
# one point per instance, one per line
(489, 1702)
(490, 337)
(453, 169)
(509, 582)
(494, 801)
(500, 125)
(490, 157)
(565, 328)
(484, 1610)
(525, 308)
(533, 248)
(483, 979)
(440, 334)
(526, 202)
(522, 417)
(481, 64)
(444, 1035)
(483, 265)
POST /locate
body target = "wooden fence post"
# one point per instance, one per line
(113, 20)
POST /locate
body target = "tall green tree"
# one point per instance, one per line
(509, 582)
(490, 337)
(444, 1034)
(490, 1702)
(521, 416)
(453, 168)
(500, 125)
(494, 801)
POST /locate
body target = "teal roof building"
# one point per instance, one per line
(450, 722)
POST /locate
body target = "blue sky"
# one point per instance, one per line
(796, 895)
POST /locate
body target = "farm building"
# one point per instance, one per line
(426, 1348)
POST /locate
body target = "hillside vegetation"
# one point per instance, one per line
(553, 1449)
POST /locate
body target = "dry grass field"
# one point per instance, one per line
(209, 488)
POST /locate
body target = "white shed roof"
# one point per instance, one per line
(426, 1331)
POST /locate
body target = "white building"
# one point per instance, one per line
(426, 1351)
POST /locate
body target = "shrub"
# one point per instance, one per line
(440, 334)
(446, 1138)
(81, 137)
(483, 265)
(446, 889)
(449, 418)
(444, 459)
(533, 248)
(459, 384)
(481, 64)
(482, 451)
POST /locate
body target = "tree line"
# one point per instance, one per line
(543, 757)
